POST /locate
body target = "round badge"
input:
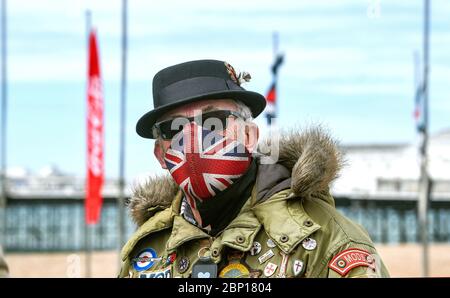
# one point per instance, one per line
(183, 265)
(234, 270)
(256, 248)
(341, 263)
(171, 258)
(309, 244)
(145, 259)
(270, 243)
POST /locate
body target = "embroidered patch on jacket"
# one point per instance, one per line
(163, 273)
(351, 258)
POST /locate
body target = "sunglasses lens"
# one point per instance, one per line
(216, 120)
(167, 131)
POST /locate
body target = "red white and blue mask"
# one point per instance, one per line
(204, 163)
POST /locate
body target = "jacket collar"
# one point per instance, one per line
(245, 222)
(286, 231)
(285, 220)
(242, 230)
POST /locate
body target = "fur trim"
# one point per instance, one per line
(310, 154)
(154, 195)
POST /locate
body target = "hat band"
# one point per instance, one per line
(194, 87)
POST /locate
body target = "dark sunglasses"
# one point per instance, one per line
(215, 120)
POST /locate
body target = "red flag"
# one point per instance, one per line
(94, 183)
(271, 99)
(271, 95)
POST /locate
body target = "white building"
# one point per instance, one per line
(392, 170)
(51, 182)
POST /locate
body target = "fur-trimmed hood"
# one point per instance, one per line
(311, 156)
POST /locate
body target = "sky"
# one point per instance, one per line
(348, 65)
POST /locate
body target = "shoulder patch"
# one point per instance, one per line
(351, 258)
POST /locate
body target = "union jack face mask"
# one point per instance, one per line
(204, 163)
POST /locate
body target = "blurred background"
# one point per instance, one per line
(359, 68)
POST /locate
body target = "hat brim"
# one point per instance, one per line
(255, 101)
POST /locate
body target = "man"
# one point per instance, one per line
(222, 212)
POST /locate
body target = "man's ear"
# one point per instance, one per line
(159, 154)
(251, 136)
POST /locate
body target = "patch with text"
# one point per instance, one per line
(351, 258)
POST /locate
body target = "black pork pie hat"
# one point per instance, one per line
(194, 81)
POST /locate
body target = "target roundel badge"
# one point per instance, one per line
(145, 259)
(341, 263)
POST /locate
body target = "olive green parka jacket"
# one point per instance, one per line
(289, 227)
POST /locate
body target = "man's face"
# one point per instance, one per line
(235, 129)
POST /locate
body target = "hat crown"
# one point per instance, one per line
(193, 78)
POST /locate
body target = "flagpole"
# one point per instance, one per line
(4, 128)
(418, 93)
(87, 228)
(271, 110)
(275, 58)
(123, 93)
(275, 45)
(424, 175)
(417, 79)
